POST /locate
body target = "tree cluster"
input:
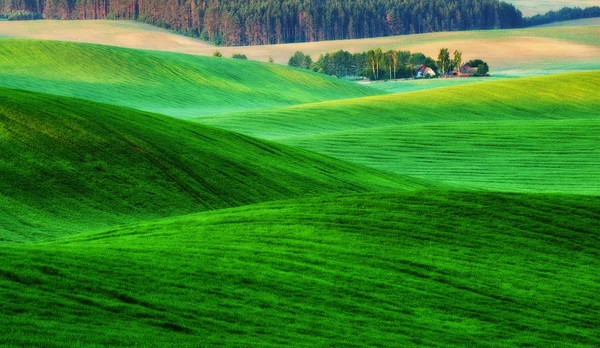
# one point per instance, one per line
(564, 14)
(240, 22)
(482, 67)
(374, 64)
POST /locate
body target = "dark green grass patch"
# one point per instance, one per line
(68, 166)
(427, 269)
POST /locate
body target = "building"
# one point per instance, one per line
(424, 71)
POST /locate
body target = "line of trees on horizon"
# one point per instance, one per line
(257, 22)
(564, 14)
(240, 22)
(377, 64)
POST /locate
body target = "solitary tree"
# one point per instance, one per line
(457, 60)
(217, 54)
(239, 56)
(372, 64)
(389, 58)
(393, 57)
(443, 61)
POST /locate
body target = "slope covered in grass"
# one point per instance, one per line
(532, 156)
(168, 83)
(425, 269)
(535, 134)
(69, 165)
(564, 96)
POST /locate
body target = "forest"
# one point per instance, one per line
(258, 22)
(236, 22)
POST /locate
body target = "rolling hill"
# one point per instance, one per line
(529, 134)
(296, 209)
(439, 269)
(72, 165)
(515, 52)
(168, 83)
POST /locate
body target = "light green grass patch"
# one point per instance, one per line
(168, 83)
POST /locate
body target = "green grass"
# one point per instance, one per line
(531, 156)
(413, 85)
(428, 269)
(565, 96)
(531, 134)
(575, 22)
(120, 227)
(168, 83)
(72, 165)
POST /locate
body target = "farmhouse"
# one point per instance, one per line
(465, 70)
(424, 71)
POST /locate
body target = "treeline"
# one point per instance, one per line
(256, 22)
(374, 64)
(241, 22)
(377, 64)
(564, 14)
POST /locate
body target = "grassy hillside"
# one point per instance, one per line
(556, 97)
(532, 156)
(509, 52)
(167, 83)
(427, 269)
(71, 165)
(534, 134)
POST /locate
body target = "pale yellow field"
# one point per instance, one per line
(116, 33)
(532, 7)
(510, 52)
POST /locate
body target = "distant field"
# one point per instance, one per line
(574, 23)
(411, 85)
(529, 134)
(168, 83)
(438, 269)
(115, 33)
(509, 52)
(532, 7)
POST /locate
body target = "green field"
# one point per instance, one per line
(288, 208)
(535, 134)
(69, 165)
(173, 84)
(429, 269)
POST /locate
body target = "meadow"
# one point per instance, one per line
(438, 269)
(174, 84)
(535, 134)
(152, 198)
(69, 165)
